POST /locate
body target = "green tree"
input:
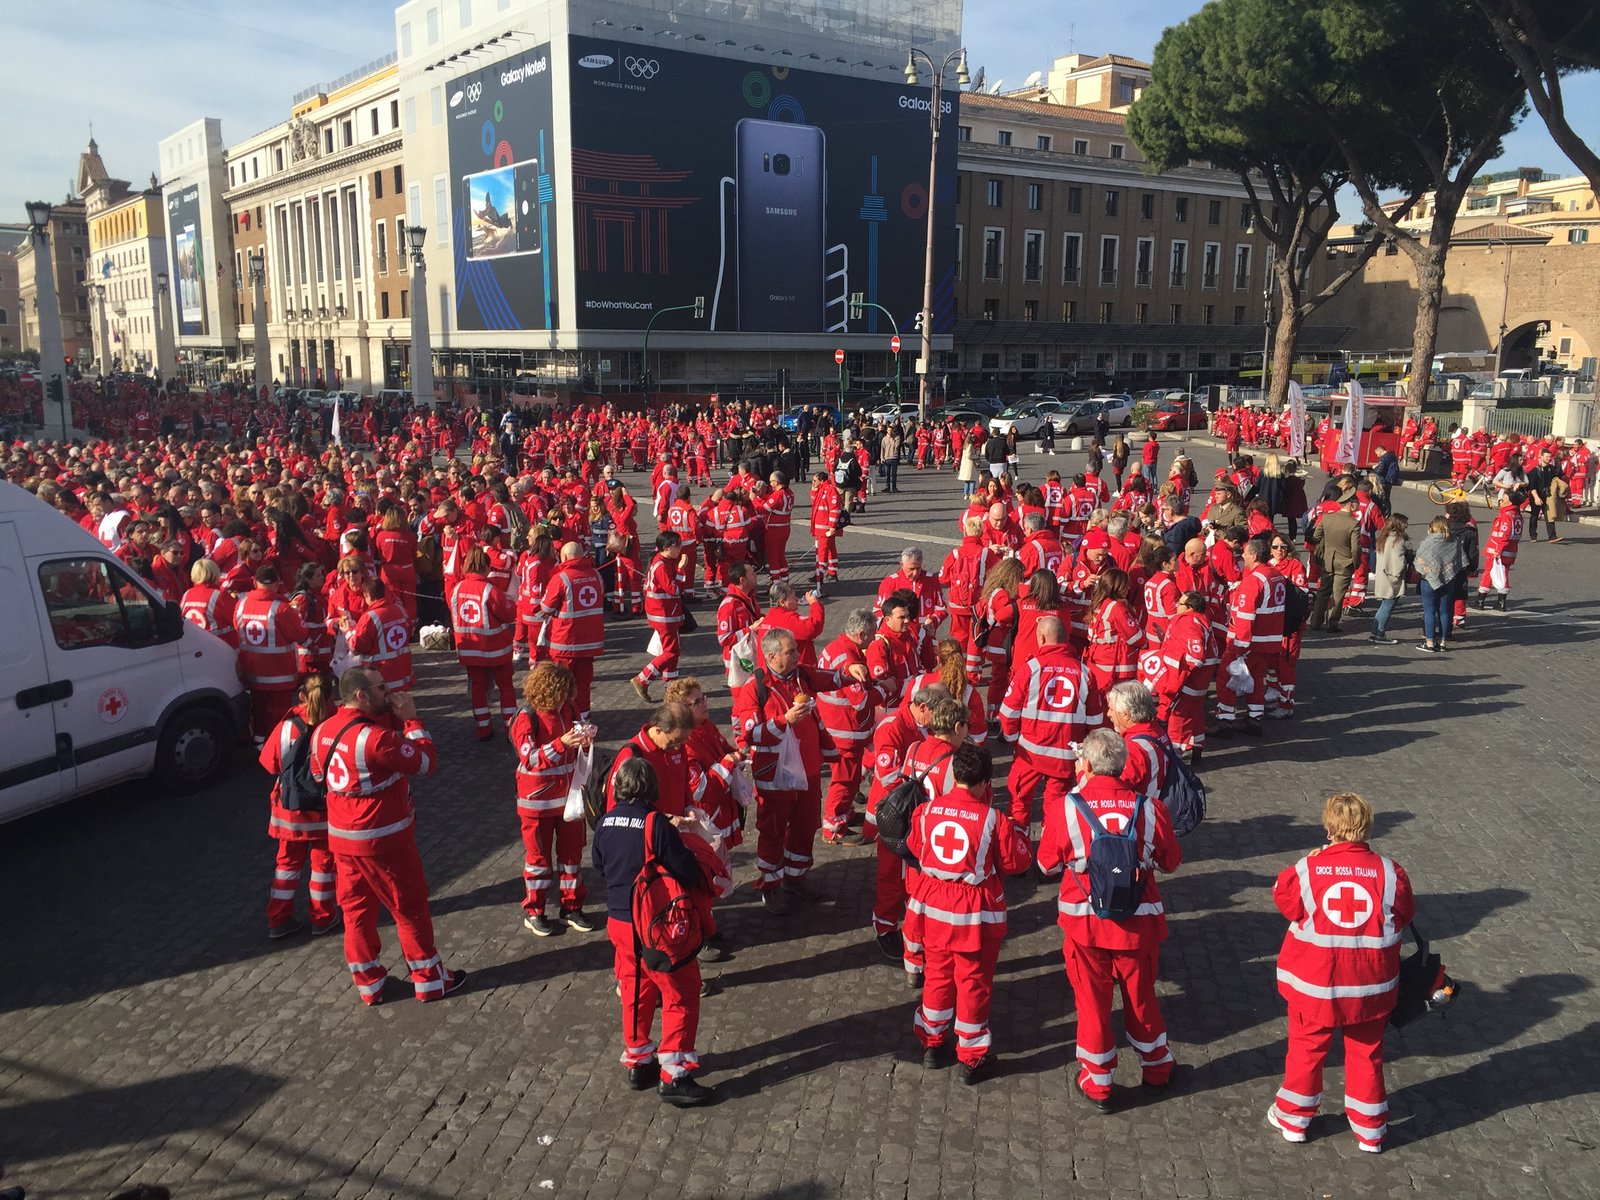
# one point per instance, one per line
(1227, 88)
(1428, 102)
(1547, 40)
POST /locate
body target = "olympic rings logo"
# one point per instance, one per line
(642, 68)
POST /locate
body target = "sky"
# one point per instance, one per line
(139, 70)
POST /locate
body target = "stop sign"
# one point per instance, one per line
(894, 344)
(838, 357)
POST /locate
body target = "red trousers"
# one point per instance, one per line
(688, 566)
(889, 895)
(287, 872)
(1284, 671)
(542, 832)
(844, 783)
(1257, 662)
(961, 626)
(786, 827)
(1366, 1102)
(665, 664)
(527, 637)
(958, 984)
(478, 680)
(1093, 972)
(628, 595)
(393, 881)
(1025, 779)
(777, 548)
(828, 556)
(999, 680)
(677, 992)
(583, 679)
(267, 709)
(1186, 720)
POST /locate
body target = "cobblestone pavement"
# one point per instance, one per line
(153, 1034)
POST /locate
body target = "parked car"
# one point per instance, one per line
(1178, 414)
(1026, 417)
(791, 419)
(885, 414)
(964, 416)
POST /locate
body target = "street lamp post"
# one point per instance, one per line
(258, 300)
(99, 291)
(163, 358)
(958, 59)
(421, 349)
(1266, 336)
(1505, 300)
(699, 310)
(52, 362)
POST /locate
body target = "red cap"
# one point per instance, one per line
(1097, 539)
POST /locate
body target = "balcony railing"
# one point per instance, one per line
(1209, 281)
(1179, 277)
(1108, 276)
(1071, 274)
(1141, 279)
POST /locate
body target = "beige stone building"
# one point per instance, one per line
(69, 243)
(11, 239)
(323, 195)
(1077, 264)
(127, 268)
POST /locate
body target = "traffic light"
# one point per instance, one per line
(55, 390)
(857, 305)
(699, 307)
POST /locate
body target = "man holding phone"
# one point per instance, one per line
(365, 754)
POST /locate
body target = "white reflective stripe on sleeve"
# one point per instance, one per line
(1351, 991)
(297, 826)
(1302, 870)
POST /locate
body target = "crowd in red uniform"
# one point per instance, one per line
(1087, 629)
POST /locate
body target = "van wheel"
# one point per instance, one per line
(195, 751)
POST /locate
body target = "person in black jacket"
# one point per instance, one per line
(619, 853)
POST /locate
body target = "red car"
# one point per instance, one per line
(1178, 414)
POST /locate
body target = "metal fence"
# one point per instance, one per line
(1534, 423)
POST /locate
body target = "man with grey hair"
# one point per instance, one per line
(900, 731)
(775, 720)
(784, 613)
(847, 722)
(925, 587)
(1102, 952)
(1041, 548)
(1050, 707)
(1131, 708)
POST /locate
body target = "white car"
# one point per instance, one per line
(1027, 418)
(884, 414)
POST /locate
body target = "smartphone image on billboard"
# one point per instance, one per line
(503, 210)
(781, 181)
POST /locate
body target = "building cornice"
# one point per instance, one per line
(335, 165)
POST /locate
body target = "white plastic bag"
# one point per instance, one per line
(654, 646)
(1239, 677)
(742, 659)
(342, 659)
(1499, 578)
(580, 776)
(740, 788)
(791, 773)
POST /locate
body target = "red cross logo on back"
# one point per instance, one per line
(1347, 904)
(949, 842)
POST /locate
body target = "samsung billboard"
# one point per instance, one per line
(186, 246)
(774, 192)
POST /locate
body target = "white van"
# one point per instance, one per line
(100, 679)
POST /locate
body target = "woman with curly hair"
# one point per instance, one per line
(994, 629)
(1115, 631)
(952, 674)
(548, 738)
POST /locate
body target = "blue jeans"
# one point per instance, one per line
(1380, 622)
(969, 488)
(1436, 609)
(891, 474)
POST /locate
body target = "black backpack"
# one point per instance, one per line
(1424, 987)
(1181, 790)
(1296, 607)
(1116, 878)
(298, 789)
(596, 786)
(896, 809)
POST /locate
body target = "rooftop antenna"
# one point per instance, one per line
(1072, 37)
(995, 90)
(1033, 80)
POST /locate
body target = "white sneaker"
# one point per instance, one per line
(1290, 1134)
(1368, 1147)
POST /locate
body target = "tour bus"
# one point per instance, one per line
(100, 679)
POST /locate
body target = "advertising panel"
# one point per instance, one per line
(188, 259)
(503, 194)
(774, 192)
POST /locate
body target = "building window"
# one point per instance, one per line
(466, 14)
(1208, 314)
(441, 212)
(1033, 256)
(394, 114)
(994, 253)
(1108, 310)
(1069, 311)
(399, 180)
(381, 249)
(1176, 315)
(411, 114)
(374, 116)
(1125, 91)
(377, 185)
(1174, 360)
(1067, 360)
(1112, 195)
(1035, 197)
(327, 140)
(1106, 361)
(1042, 141)
(348, 129)
(1003, 138)
(1141, 314)
(1235, 361)
(1247, 220)
(961, 250)
(433, 26)
(1080, 146)
(1108, 260)
(277, 158)
(997, 192)
(1241, 268)
(1207, 360)
(989, 360)
(1030, 361)
(1074, 200)
(404, 309)
(1238, 314)
(1118, 149)
(1139, 360)
(436, 105)
(1030, 312)
(1576, 237)
(1180, 209)
(1211, 266)
(991, 310)
(963, 133)
(383, 304)
(1180, 263)
(1213, 212)
(1147, 206)
(1144, 251)
(405, 39)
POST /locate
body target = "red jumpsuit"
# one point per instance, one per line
(1281, 677)
(1255, 635)
(778, 505)
(826, 505)
(1100, 952)
(1504, 536)
(1115, 636)
(301, 834)
(1049, 709)
(892, 742)
(212, 610)
(269, 629)
(484, 622)
(964, 847)
(1188, 665)
(533, 574)
(1339, 969)
(683, 520)
(573, 608)
(544, 775)
(847, 718)
(961, 576)
(994, 632)
(382, 639)
(663, 608)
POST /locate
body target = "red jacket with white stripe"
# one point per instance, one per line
(211, 609)
(533, 576)
(962, 575)
(1146, 768)
(1340, 961)
(925, 587)
(779, 507)
(544, 762)
(366, 765)
(1050, 707)
(663, 598)
(1160, 605)
(1115, 635)
(1256, 623)
(977, 717)
(892, 740)
(1188, 657)
(847, 714)
(684, 521)
(807, 627)
(1042, 551)
(289, 825)
(964, 848)
(761, 727)
(382, 639)
(574, 608)
(736, 612)
(484, 621)
(825, 506)
(1064, 848)
(269, 629)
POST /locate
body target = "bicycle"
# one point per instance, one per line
(1443, 492)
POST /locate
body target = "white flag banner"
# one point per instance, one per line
(1355, 416)
(1297, 422)
(337, 441)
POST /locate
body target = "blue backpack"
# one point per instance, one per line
(1181, 790)
(1116, 879)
